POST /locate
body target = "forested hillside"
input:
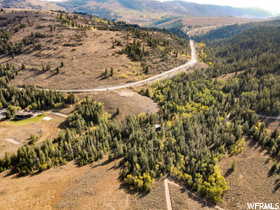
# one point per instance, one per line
(256, 52)
(201, 120)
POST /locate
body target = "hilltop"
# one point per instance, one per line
(29, 4)
(70, 51)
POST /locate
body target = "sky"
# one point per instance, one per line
(269, 5)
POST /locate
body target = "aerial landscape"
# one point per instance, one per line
(139, 105)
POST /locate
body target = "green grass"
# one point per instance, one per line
(27, 121)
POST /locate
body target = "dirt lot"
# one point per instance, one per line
(250, 181)
(14, 135)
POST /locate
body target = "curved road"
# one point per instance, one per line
(150, 80)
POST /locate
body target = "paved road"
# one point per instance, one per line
(150, 80)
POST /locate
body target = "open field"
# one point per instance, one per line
(66, 187)
(69, 187)
(14, 134)
(127, 101)
(250, 181)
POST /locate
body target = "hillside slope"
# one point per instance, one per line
(200, 123)
(67, 51)
(29, 4)
(143, 12)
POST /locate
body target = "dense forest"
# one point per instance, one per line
(28, 98)
(254, 52)
(199, 124)
(201, 120)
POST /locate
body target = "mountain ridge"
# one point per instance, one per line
(140, 12)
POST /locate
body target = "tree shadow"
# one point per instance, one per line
(52, 75)
(102, 76)
(197, 198)
(129, 190)
(277, 186)
(229, 172)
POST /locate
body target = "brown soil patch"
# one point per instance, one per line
(249, 182)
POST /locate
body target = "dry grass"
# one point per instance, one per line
(21, 132)
(127, 101)
(38, 192)
(155, 200)
(250, 181)
(214, 21)
(68, 187)
(86, 54)
(183, 200)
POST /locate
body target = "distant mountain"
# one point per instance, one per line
(29, 4)
(143, 12)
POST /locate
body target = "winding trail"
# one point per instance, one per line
(164, 75)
